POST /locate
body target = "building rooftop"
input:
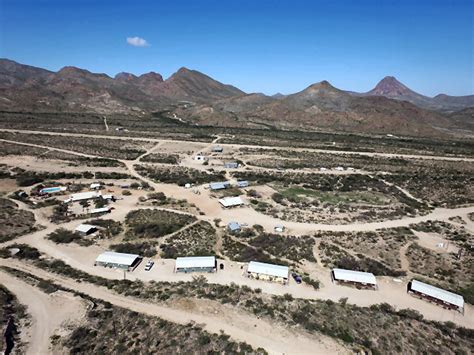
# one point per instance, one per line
(268, 269)
(438, 293)
(111, 257)
(195, 261)
(354, 276)
(231, 201)
(84, 228)
(219, 185)
(84, 196)
(233, 226)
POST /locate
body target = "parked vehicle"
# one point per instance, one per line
(149, 265)
(296, 277)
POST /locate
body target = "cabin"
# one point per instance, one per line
(234, 227)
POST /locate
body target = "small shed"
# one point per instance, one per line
(269, 272)
(217, 149)
(231, 165)
(118, 260)
(196, 264)
(243, 183)
(95, 186)
(365, 279)
(234, 227)
(85, 229)
(437, 295)
(219, 185)
(228, 202)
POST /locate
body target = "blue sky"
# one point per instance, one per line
(256, 45)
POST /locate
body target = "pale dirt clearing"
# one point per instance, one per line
(183, 142)
(27, 162)
(49, 313)
(435, 242)
(242, 327)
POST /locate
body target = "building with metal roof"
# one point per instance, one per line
(83, 196)
(217, 149)
(243, 183)
(118, 260)
(85, 229)
(234, 227)
(228, 202)
(269, 272)
(219, 185)
(435, 294)
(231, 165)
(196, 264)
(354, 277)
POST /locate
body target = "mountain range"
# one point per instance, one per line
(390, 107)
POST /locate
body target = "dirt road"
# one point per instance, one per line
(48, 312)
(369, 154)
(240, 325)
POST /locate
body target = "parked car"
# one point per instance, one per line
(296, 277)
(149, 265)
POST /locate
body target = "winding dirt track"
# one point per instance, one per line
(369, 154)
(241, 326)
(47, 312)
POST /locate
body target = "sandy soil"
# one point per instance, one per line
(433, 242)
(52, 165)
(237, 146)
(49, 313)
(241, 326)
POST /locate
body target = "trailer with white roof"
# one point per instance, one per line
(268, 272)
(437, 295)
(358, 278)
(118, 260)
(196, 264)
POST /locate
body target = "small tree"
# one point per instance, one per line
(85, 204)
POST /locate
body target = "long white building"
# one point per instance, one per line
(354, 277)
(435, 294)
(270, 272)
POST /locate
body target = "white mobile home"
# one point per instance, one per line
(85, 229)
(360, 278)
(228, 202)
(81, 196)
(118, 260)
(196, 264)
(437, 295)
(269, 272)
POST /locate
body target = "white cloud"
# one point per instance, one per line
(137, 42)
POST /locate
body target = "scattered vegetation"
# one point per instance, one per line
(179, 175)
(148, 223)
(64, 236)
(197, 240)
(14, 221)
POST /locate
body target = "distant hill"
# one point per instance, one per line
(390, 107)
(393, 89)
(23, 87)
(321, 106)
